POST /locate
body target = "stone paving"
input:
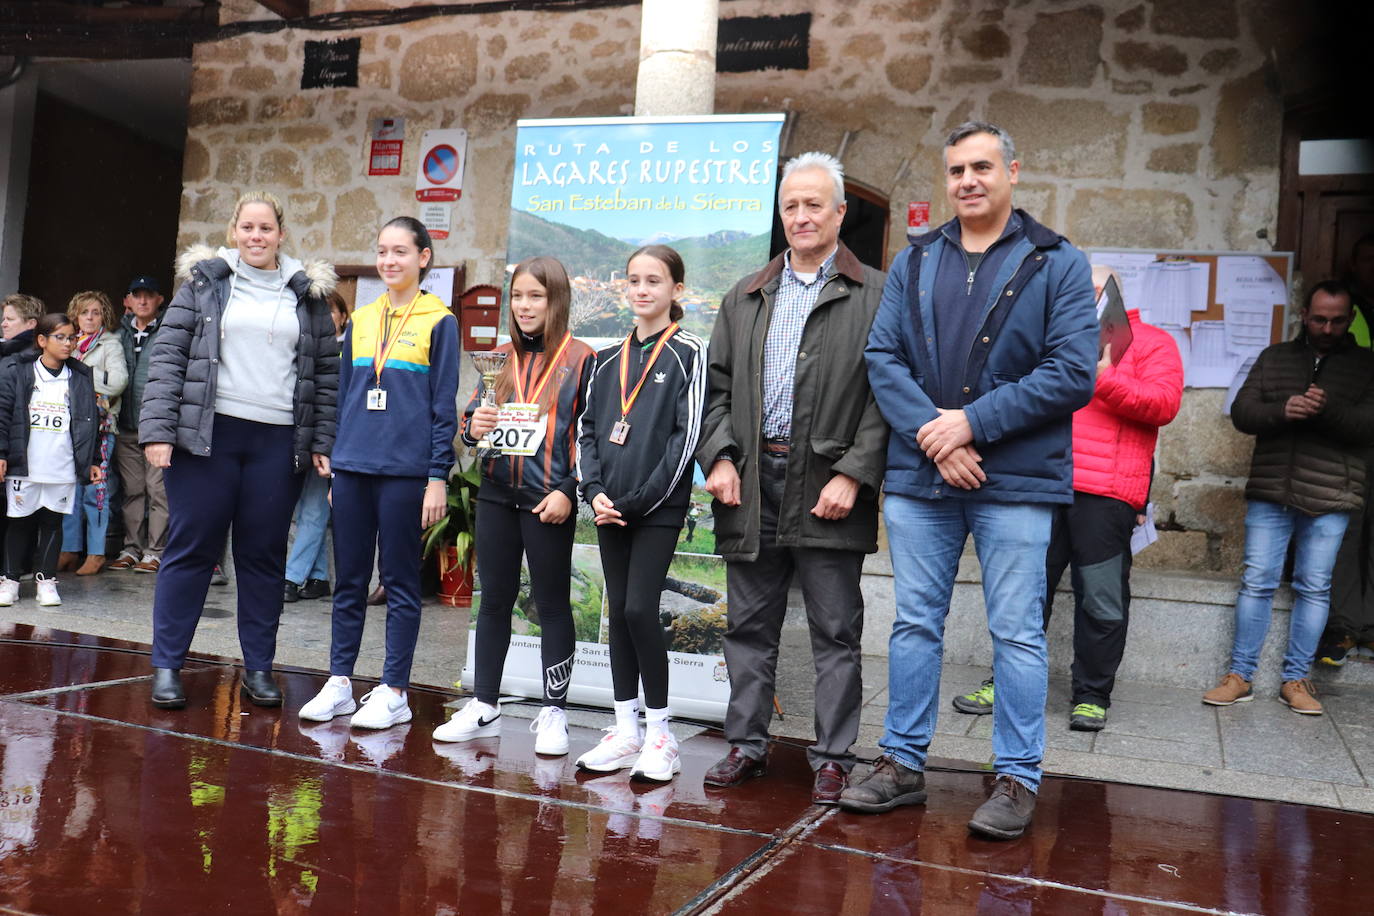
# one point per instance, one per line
(1156, 735)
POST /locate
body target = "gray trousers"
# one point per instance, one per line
(144, 496)
(757, 606)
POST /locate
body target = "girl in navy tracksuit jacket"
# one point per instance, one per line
(636, 439)
(526, 502)
(398, 414)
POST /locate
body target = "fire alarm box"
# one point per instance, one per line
(480, 318)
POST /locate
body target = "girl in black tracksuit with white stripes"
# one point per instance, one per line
(636, 438)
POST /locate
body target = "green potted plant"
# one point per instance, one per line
(453, 536)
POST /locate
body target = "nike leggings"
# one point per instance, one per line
(505, 535)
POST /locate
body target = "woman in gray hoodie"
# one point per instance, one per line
(239, 405)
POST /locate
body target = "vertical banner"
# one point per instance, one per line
(589, 192)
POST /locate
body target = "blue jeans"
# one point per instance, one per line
(86, 526)
(309, 557)
(1268, 528)
(925, 539)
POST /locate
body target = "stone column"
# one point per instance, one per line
(677, 58)
(16, 137)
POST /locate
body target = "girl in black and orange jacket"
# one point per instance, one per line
(527, 501)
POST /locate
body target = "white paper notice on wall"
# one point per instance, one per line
(1173, 290)
(1237, 381)
(1211, 364)
(1249, 278)
(1131, 267)
(438, 281)
(437, 219)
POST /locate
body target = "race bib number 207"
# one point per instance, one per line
(520, 430)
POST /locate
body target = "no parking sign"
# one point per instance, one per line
(443, 153)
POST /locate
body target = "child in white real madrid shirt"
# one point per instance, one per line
(48, 437)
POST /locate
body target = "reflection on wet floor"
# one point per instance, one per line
(112, 806)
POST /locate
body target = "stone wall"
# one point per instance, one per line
(1139, 124)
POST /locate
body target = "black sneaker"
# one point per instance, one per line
(887, 785)
(291, 592)
(314, 588)
(1334, 652)
(977, 703)
(1007, 812)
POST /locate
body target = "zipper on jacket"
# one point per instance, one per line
(1001, 294)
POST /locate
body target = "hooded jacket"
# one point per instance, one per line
(1030, 367)
(1314, 465)
(413, 436)
(179, 399)
(16, 387)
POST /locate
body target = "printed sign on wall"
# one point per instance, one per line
(443, 153)
(388, 144)
(331, 64)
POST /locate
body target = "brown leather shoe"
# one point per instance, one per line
(67, 560)
(734, 768)
(1301, 697)
(378, 597)
(94, 564)
(124, 561)
(831, 780)
(148, 565)
(1233, 689)
(1007, 812)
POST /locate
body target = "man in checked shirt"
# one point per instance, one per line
(794, 448)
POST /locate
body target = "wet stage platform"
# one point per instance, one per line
(112, 806)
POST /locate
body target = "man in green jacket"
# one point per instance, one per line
(1310, 404)
(794, 449)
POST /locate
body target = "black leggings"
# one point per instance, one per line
(19, 537)
(635, 561)
(503, 535)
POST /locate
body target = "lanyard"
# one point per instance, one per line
(627, 403)
(384, 344)
(543, 379)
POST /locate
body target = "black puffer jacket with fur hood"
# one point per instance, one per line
(179, 400)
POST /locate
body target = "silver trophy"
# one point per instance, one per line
(489, 363)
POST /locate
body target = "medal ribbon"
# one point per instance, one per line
(627, 403)
(383, 344)
(543, 379)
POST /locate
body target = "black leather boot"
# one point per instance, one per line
(260, 689)
(167, 692)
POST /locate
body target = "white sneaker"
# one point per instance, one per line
(382, 708)
(550, 729)
(334, 699)
(658, 762)
(9, 591)
(47, 592)
(615, 752)
(474, 720)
